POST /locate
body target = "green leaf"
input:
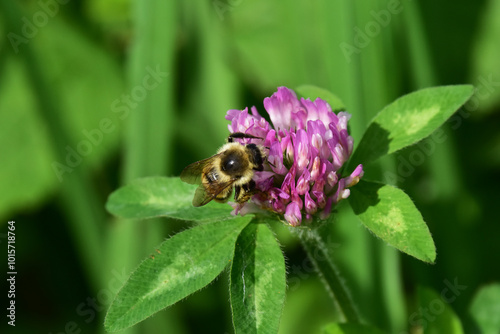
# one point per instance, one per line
(485, 309)
(391, 215)
(258, 281)
(409, 119)
(335, 328)
(435, 315)
(180, 266)
(162, 196)
(313, 92)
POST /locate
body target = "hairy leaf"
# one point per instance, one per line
(391, 215)
(258, 281)
(180, 266)
(162, 196)
(409, 119)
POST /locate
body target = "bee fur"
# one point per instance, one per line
(233, 166)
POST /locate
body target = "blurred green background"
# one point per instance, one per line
(95, 93)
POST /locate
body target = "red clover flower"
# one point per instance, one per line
(306, 146)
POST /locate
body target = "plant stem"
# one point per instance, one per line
(319, 256)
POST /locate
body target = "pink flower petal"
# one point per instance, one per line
(312, 141)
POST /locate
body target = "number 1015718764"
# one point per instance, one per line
(11, 248)
(11, 273)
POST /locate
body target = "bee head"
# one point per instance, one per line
(233, 160)
(231, 164)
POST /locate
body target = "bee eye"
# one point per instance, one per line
(230, 165)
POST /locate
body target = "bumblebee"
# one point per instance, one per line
(232, 167)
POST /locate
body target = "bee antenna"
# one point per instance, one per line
(241, 135)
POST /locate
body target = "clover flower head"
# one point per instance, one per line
(306, 147)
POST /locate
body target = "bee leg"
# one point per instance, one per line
(250, 186)
(237, 190)
(245, 195)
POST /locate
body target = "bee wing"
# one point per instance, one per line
(192, 173)
(202, 197)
